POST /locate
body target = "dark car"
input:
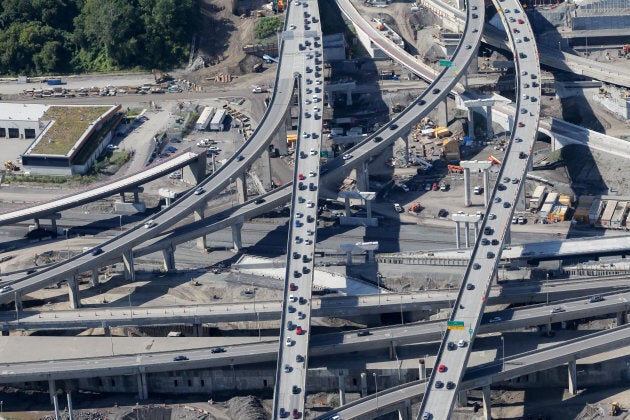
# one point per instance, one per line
(295, 389)
(488, 230)
(259, 201)
(97, 251)
(296, 255)
(506, 204)
(596, 298)
(490, 255)
(299, 358)
(422, 102)
(305, 270)
(363, 333)
(439, 384)
(470, 286)
(295, 414)
(393, 126)
(495, 242)
(435, 91)
(450, 385)
(442, 213)
(305, 258)
(377, 139)
(291, 309)
(179, 358)
(302, 300)
(451, 346)
(217, 350)
(522, 155)
(283, 413)
(485, 241)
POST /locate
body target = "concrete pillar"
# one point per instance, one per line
(136, 196)
(467, 233)
(572, 377)
(370, 255)
(265, 168)
(56, 404)
(346, 202)
(4, 333)
(368, 208)
(130, 273)
(363, 181)
(95, 277)
(51, 390)
(471, 123)
(393, 350)
(141, 380)
(348, 97)
(342, 388)
(195, 172)
(467, 201)
(198, 214)
(37, 221)
(73, 293)
(69, 398)
(122, 196)
(364, 392)
(621, 318)
(489, 131)
(487, 403)
(197, 329)
(53, 223)
(237, 241)
(442, 109)
(508, 236)
(241, 189)
(462, 398)
(457, 244)
(168, 255)
(348, 257)
(404, 413)
(486, 187)
(18, 301)
(422, 368)
(476, 224)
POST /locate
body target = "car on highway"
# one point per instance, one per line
(301, 177)
(492, 216)
(297, 274)
(520, 21)
(310, 204)
(363, 333)
(495, 319)
(199, 191)
(520, 124)
(497, 199)
(450, 385)
(299, 215)
(451, 346)
(240, 157)
(439, 384)
(596, 298)
(501, 187)
(488, 230)
(378, 139)
(495, 242)
(287, 368)
(427, 416)
(292, 287)
(298, 223)
(557, 309)
(476, 266)
(292, 27)
(347, 156)
(442, 213)
(179, 358)
(289, 342)
(299, 331)
(398, 208)
(295, 389)
(217, 350)
(313, 152)
(302, 300)
(470, 286)
(295, 414)
(150, 224)
(435, 91)
(291, 309)
(299, 358)
(515, 181)
(461, 343)
(312, 173)
(442, 368)
(506, 204)
(468, 46)
(522, 155)
(518, 140)
(97, 251)
(5, 289)
(308, 242)
(485, 241)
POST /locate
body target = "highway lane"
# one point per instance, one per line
(482, 267)
(340, 306)
(295, 324)
(187, 204)
(515, 366)
(322, 345)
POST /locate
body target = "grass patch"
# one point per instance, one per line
(70, 122)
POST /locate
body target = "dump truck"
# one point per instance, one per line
(416, 208)
(615, 408)
(11, 166)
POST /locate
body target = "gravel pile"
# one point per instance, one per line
(246, 408)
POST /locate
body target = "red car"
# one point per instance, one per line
(515, 30)
(521, 124)
(295, 414)
(435, 186)
(299, 331)
(301, 177)
(442, 368)
(520, 21)
(292, 287)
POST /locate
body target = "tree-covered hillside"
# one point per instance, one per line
(61, 36)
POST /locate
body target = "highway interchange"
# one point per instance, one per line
(483, 263)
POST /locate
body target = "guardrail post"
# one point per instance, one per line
(572, 377)
(487, 403)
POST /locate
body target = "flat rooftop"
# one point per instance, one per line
(21, 112)
(68, 125)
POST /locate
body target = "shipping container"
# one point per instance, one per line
(205, 118)
(619, 216)
(611, 205)
(559, 212)
(216, 124)
(547, 206)
(596, 210)
(537, 198)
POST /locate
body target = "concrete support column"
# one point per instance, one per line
(342, 388)
(467, 233)
(141, 379)
(52, 390)
(572, 377)
(198, 214)
(508, 236)
(621, 318)
(56, 404)
(442, 109)
(346, 202)
(53, 223)
(363, 181)
(136, 196)
(168, 256)
(487, 403)
(265, 168)
(4, 333)
(94, 277)
(486, 187)
(467, 201)
(37, 221)
(348, 257)
(457, 244)
(195, 172)
(489, 131)
(237, 240)
(69, 398)
(462, 398)
(364, 392)
(122, 196)
(348, 97)
(241, 189)
(476, 225)
(471, 123)
(130, 273)
(393, 351)
(404, 413)
(368, 208)
(422, 368)
(18, 301)
(197, 328)
(73, 293)
(370, 255)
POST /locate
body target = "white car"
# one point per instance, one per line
(308, 242)
(309, 232)
(313, 152)
(405, 187)
(298, 240)
(347, 156)
(305, 134)
(307, 101)
(299, 215)
(289, 342)
(461, 343)
(316, 108)
(316, 98)
(292, 27)
(5, 289)
(310, 204)
(318, 82)
(150, 224)
(312, 173)
(112, 147)
(292, 298)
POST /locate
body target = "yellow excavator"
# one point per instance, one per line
(615, 408)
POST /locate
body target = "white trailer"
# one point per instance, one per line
(217, 121)
(205, 118)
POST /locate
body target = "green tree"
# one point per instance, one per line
(267, 26)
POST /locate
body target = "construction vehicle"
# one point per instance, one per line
(615, 408)
(455, 169)
(416, 208)
(195, 283)
(160, 76)
(11, 166)
(441, 132)
(494, 160)
(397, 108)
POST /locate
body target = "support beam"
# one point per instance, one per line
(364, 391)
(442, 109)
(195, 172)
(241, 189)
(198, 214)
(471, 123)
(622, 318)
(52, 390)
(265, 169)
(237, 240)
(363, 177)
(18, 301)
(487, 403)
(130, 273)
(393, 350)
(507, 239)
(70, 409)
(342, 388)
(457, 244)
(56, 404)
(349, 97)
(94, 280)
(489, 131)
(467, 233)
(462, 398)
(168, 255)
(572, 377)
(467, 201)
(422, 368)
(486, 187)
(404, 412)
(141, 379)
(73, 293)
